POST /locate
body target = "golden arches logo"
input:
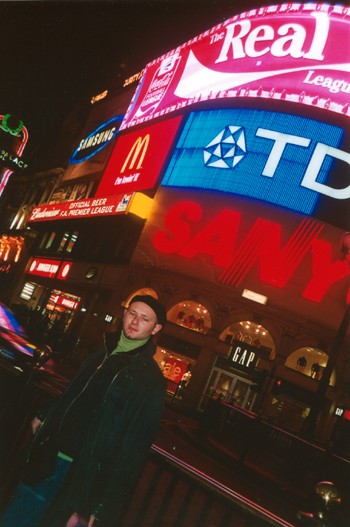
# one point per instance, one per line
(136, 154)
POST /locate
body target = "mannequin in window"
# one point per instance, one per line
(301, 363)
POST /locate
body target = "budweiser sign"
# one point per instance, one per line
(289, 52)
(88, 208)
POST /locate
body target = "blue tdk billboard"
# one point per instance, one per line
(278, 158)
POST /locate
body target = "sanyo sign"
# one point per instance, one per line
(279, 158)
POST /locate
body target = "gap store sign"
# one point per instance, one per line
(278, 158)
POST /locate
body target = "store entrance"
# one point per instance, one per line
(60, 310)
(230, 388)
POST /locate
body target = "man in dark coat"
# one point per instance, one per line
(89, 450)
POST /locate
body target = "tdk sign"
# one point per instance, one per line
(275, 157)
(96, 140)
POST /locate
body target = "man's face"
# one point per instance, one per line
(140, 321)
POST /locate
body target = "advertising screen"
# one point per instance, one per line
(84, 208)
(138, 158)
(287, 52)
(278, 158)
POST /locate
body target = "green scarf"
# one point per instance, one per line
(125, 344)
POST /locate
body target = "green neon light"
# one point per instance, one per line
(6, 128)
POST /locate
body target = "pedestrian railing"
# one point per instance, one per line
(172, 493)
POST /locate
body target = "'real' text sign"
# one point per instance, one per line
(289, 52)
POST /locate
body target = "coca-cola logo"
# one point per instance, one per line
(288, 52)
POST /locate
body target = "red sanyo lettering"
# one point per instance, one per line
(262, 245)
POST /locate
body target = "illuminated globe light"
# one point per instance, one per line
(227, 149)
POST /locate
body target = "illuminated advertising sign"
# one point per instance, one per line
(138, 158)
(235, 243)
(274, 157)
(49, 268)
(13, 139)
(243, 356)
(65, 301)
(44, 267)
(216, 240)
(88, 208)
(96, 140)
(64, 269)
(288, 52)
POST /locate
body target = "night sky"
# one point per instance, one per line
(56, 53)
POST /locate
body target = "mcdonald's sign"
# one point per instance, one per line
(136, 154)
(138, 158)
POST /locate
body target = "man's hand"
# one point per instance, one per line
(36, 424)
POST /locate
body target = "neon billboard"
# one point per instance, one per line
(138, 157)
(85, 208)
(235, 244)
(96, 140)
(16, 140)
(279, 158)
(287, 52)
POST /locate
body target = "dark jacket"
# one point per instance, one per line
(111, 458)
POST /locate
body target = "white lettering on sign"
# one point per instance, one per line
(332, 85)
(243, 357)
(97, 139)
(44, 213)
(68, 303)
(47, 268)
(289, 39)
(319, 154)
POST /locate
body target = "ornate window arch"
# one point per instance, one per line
(309, 361)
(252, 333)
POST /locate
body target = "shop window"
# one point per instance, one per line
(309, 361)
(67, 242)
(175, 368)
(63, 242)
(49, 240)
(191, 315)
(251, 333)
(230, 388)
(71, 242)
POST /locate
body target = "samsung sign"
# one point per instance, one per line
(96, 140)
(275, 157)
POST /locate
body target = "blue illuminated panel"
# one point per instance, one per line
(259, 154)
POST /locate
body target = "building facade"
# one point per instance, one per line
(221, 186)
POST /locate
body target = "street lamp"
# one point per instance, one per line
(334, 352)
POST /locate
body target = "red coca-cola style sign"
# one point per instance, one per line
(289, 52)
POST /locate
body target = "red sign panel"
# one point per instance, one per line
(65, 301)
(64, 270)
(86, 208)
(138, 158)
(44, 267)
(289, 52)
